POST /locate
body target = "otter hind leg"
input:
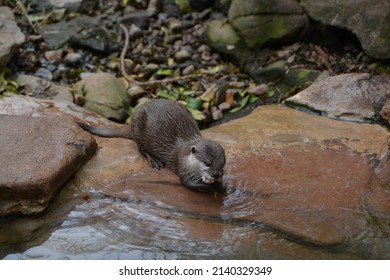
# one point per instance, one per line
(154, 162)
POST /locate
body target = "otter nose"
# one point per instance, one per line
(217, 175)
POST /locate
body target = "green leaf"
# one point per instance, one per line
(197, 115)
(243, 92)
(253, 98)
(194, 103)
(241, 105)
(165, 72)
(188, 92)
(168, 95)
(270, 93)
(35, 18)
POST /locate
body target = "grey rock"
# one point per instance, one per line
(139, 18)
(217, 115)
(38, 155)
(42, 88)
(369, 20)
(58, 34)
(81, 31)
(351, 97)
(95, 38)
(270, 72)
(11, 36)
(259, 90)
(71, 5)
(224, 106)
(44, 73)
(190, 69)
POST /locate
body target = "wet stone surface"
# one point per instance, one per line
(297, 186)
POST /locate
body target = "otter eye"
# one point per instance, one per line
(193, 149)
(207, 163)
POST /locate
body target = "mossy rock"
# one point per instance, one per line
(105, 95)
(262, 22)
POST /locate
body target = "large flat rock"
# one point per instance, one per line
(37, 156)
(351, 97)
(315, 185)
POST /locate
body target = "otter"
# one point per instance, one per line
(168, 136)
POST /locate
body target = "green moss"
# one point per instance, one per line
(270, 27)
(220, 31)
(184, 6)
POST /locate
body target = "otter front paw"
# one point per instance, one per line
(154, 162)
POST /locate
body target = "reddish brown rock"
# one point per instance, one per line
(385, 112)
(37, 156)
(302, 175)
(311, 184)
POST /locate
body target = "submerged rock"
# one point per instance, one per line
(11, 36)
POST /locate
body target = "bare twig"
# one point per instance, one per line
(148, 83)
(25, 14)
(123, 54)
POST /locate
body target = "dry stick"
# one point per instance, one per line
(148, 83)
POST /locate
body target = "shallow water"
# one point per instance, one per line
(147, 227)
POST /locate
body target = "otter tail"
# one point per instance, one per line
(120, 132)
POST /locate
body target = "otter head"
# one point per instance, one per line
(206, 160)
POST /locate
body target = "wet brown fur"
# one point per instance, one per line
(167, 136)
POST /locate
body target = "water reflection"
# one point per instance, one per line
(157, 222)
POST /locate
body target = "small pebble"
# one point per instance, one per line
(217, 115)
(204, 48)
(175, 26)
(54, 56)
(213, 109)
(146, 52)
(259, 90)
(35, 38)
(206, 56)
(152, 67)
(190, 69)
(135, 91)
(224, 106)
(182, 56)
(237, 84)
(72, 58)
(44, 73)
(135, 32)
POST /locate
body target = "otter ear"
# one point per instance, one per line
(193, 149)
